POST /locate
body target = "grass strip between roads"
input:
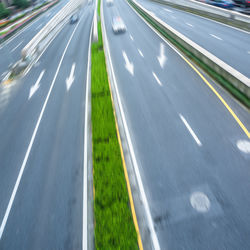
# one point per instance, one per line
(114, 227)
(226, 84)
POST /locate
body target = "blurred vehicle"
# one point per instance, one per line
(110, 2)
(118, 25)
(227, 4)
(74, 18)
(245, 3)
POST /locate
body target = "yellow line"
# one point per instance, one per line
(127, 179)
(219, 96)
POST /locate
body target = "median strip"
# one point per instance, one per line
(114, 227)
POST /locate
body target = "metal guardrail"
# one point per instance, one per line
(237, 79)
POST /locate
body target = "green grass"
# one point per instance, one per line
(221, 80)
(114, 227)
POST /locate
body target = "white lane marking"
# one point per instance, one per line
(173, 17)
(131, 38)
(16, 46)
(128, 65)
(36, 86)
(71, 78)
(216, 37)
(190, 130)
(162, 58)
(7, 212)
(248, 52)
(244, 146)
(85, 160)
(200, 202)
(157, 79)
(189, 24)
(153, 235)
(168, 10)
(140, 53)
(39, 26)
(4, 73)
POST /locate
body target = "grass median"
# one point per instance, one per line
(114, 227)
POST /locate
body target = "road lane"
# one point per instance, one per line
(228, 44)
(47, 210)
(180, 158)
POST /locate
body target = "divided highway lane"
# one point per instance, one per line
(10, 50)
(45, 135)
(195, 177)
(229, 44)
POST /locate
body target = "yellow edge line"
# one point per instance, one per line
(127, 179)
(218, 95)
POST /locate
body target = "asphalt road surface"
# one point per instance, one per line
(191, 151)
(42, 146)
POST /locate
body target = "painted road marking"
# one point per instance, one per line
(71, 78)
(190, 130)
(189, 24)
(162, 58)
(36, 86)
(173, 17)
(244, 146)
(200, 75)
(248, 52)
(7, 212)
(216, 37)
(200, 202)
(128, 65)
(131, 38)
(16, 46)
(168, 10)
(157, 79)
(140, 53)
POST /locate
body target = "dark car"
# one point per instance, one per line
(227, 4)
(245, 3)
(74, 18)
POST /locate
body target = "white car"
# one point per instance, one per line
(118, 25)
(109, 2)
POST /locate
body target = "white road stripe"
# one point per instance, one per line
(16, 46)
(216, 37)
(168, 10)
(131, 38)
(7, 212)
(189, 24)
(173, 17)
(157, 79)
(248, 52)
(190, 130)
(140, 53)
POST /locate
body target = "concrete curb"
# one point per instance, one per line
(238, 80)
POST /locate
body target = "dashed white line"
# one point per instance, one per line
(189, 24)
(157, 79)
(131, 38)
(168, 10)
(216, 37)
(16, 46)
(190, 130)
(140, 53)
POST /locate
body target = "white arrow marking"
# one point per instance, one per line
(36, 86)
(71, 77)
(162, 58)
(129, 65)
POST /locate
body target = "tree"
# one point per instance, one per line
(21, 4)
(3, 11)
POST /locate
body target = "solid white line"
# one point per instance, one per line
(16, 46)
(215, 37)
(85, 163)
(190, 130)
(131, 38)
(7, 212)
(140, 53)
(168, 10)
(189, 24)
(131, 149)
(157, 79)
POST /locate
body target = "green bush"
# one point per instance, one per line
(21, 4)
(3, 11)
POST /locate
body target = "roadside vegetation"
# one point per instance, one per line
(114, 227)
(3, 11)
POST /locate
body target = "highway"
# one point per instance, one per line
(42, 120)
(229, 44)
(10, 50)
(187, 143)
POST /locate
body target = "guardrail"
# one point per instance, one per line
(235, 78)
(226, 16)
